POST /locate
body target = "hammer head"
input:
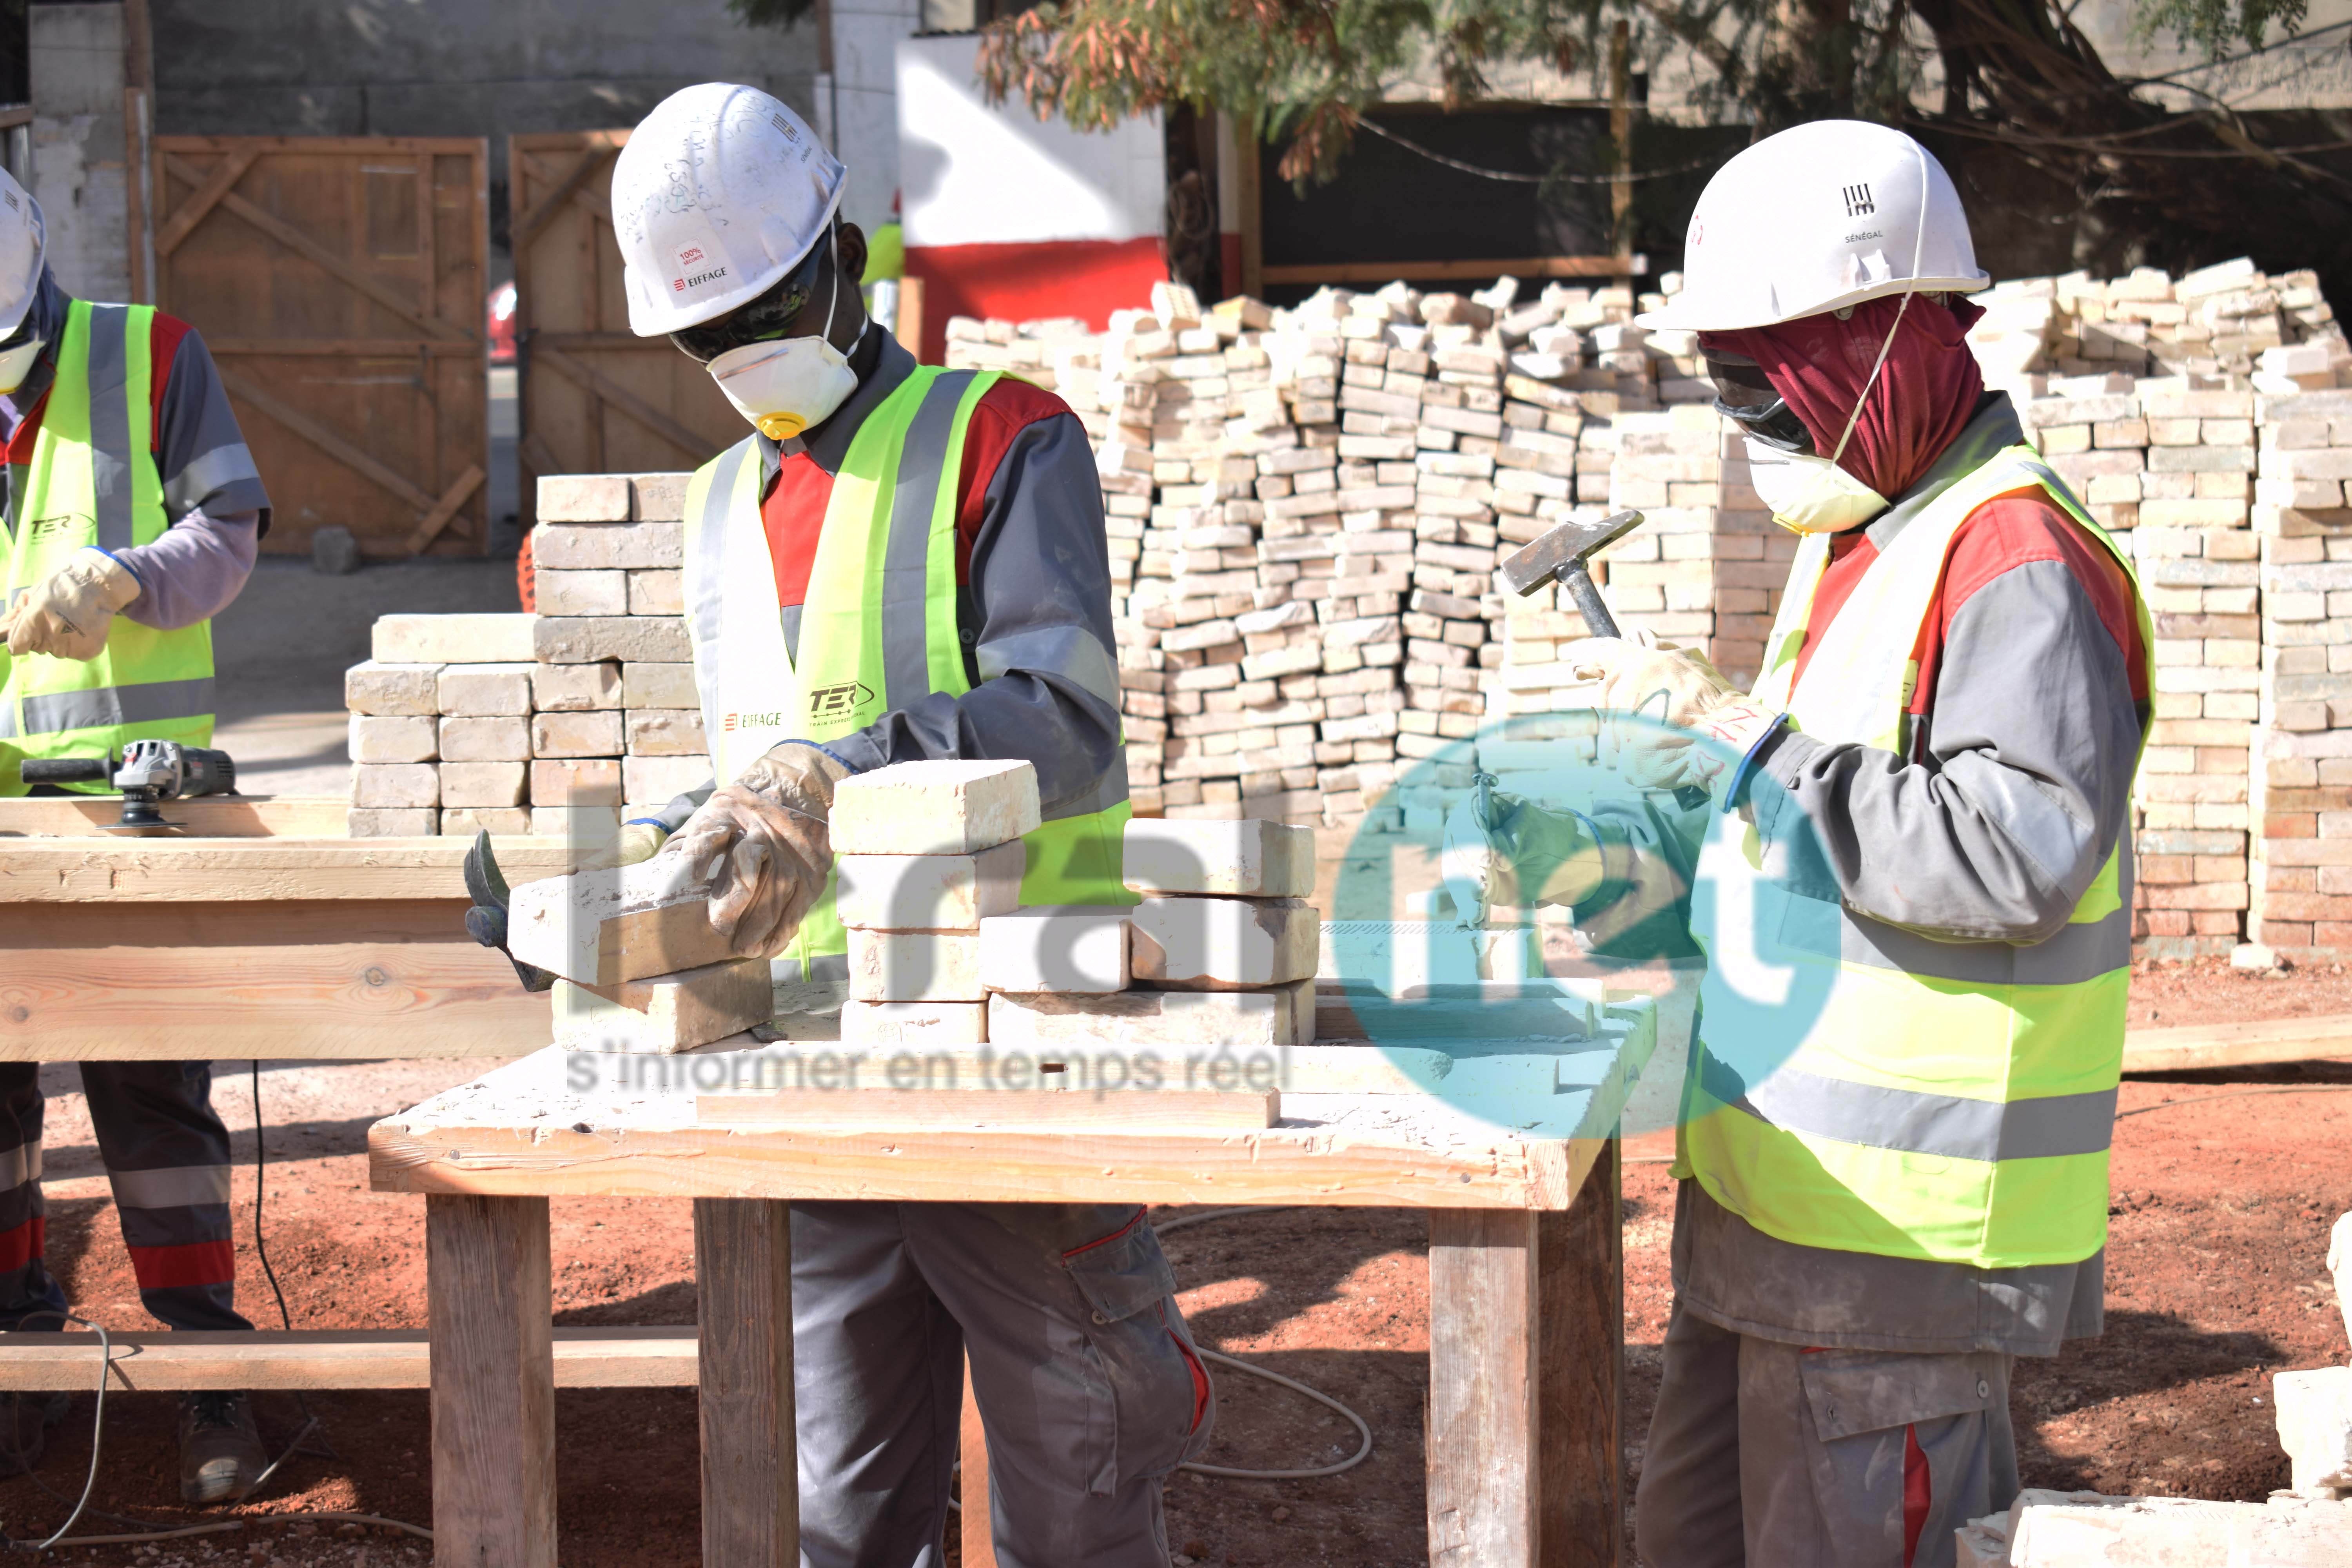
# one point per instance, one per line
(1533, 565)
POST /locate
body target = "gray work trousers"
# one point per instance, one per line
(1781, 1456)
(1087, 1379)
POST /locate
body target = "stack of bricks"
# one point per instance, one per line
(2303, 742)
(1220, 953)
(506, 722)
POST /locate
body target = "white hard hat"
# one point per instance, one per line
(719, 192)
(23, 239)
(1818, 217)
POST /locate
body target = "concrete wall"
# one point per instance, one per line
(460, 67)
(77, 144)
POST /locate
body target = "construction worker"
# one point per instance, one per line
(901, 562)
(1879, 1212)
(134, 514)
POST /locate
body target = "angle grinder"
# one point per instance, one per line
(148, 773)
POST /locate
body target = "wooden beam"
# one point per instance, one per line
(1485, 1327)
(1249, 197)
(183, 222)
(342, 980)
(14, 115)
(619, 1357)
(1458, 271)
(2196, 1047)
(341, 348)
(1621, 132)
(294, 240)
(210, 817)
(694, 446)
(181, 870)
(1579, 1397)
(1161, 1110)
(456, 495)
(976, 1513)
(488, 1303)
(344, 452)
(203, 145)
(750, 1470)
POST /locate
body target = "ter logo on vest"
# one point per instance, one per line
(72, 522)
(838, 704)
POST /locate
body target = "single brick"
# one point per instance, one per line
(1221, 943)
(506, 739)
(915, 966)
(396, 784)
(657, 497)
(664, 1012)
(584, 639)
(593, 780)
(951, 808)
(929, 892)
(1249, 859)
(1070, 948)
(575, 687)
(389, 690)
(391, 822)
(464, 822)
(658, 685)
(1244, 1020)
(608, 547)
(652, 780)
(656, 592)
(581, 593)
(485, 691)
(584, 498)
(594, 733)
(392, 739)
(452, 639)
(666, 733)
(914, 1026)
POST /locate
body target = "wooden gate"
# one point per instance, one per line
(595, 397)
(339, 282)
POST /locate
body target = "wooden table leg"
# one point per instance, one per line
(751, 1466)
(1484, 1333)
(1580, 1282)
(493, 1371)
(976, 1523)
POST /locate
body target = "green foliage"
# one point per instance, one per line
(2215, 25)
(778, 14)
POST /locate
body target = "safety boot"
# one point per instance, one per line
(221, 1454)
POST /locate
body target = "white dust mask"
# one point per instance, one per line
(786, 385)
(16, 363)
(1809, 493)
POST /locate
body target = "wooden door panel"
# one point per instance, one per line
(339, 282)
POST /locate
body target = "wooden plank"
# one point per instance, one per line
(976, 1516)
(696, 447)
(211, 816)
(349, 146)
(1381, 1165)
(456, 495)
(180, 870)
(328, 981)
(1579, 1400)
(1249, 197)
(1464, 271)
(493, 1380)
(1168, 1109)
(616, 1357)
(750, 1470)
(2194, 1048)
(201, 202)
(1484, 1333)
(344, 348)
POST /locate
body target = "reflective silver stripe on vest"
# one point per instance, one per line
(175, 1187)
(1102, 796)
(20, 1164)
(7, 719)
(148, 703)
(710, 606)
(110, 427)
(1919, 1123)
(906, 558)
(1071, 652)
(2078, 952)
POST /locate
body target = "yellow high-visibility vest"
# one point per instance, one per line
(92, 481)
(877, 629)
(1952, 1101)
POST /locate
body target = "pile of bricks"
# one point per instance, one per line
(2302, 798)
(506, 722)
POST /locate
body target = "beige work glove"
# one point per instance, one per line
(67, 614)
(1672, 721)
(763, 843)
(636, 841)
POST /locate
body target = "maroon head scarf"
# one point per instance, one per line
(1924, 397)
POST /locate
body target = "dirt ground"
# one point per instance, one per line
(2224, 1193)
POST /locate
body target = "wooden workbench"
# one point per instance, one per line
(244, 943)
(1525, 1275)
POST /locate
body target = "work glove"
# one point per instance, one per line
(636, 841)
(67, 614)
(1671, 719)
(764, 843)
(1518, 854)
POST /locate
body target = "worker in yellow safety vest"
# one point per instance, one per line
(133, 515)
(1890, 1193)
(900, 562)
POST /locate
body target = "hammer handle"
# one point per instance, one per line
(1587, 595)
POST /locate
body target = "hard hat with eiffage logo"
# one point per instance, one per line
(719, 192)
(1820, 217)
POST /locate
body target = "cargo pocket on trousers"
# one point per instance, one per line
(1155, 1391)
(1875, 1414)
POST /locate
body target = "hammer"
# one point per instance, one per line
(1560, 556)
